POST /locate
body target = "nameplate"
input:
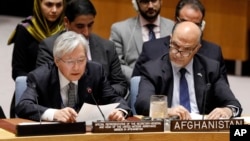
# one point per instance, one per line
(204, 125)
(49, 128)
(128, 126)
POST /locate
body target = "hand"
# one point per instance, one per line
(66, 115)
(218, 113)
(179, 111)
(116, 115)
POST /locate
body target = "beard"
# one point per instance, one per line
(150, 14)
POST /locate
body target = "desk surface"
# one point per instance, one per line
(146, 136)
(149, 136)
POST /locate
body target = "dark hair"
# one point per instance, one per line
(196, 4)
(75, 8)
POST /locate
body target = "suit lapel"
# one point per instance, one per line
(82, 90)
(55, 87)
(165, 30)
(95, 50)
(137, 40)
(84, 84)
(199, 82)
(167, 75)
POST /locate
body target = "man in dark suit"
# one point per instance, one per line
(48, 95)
(163, 76)
(79, 17)
(186, 10)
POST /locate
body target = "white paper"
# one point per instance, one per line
(195, 116)
(246, 119)
(90, 113)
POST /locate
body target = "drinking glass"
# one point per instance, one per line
(158, 107)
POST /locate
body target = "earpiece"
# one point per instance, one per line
(203, 24)
(134, 2)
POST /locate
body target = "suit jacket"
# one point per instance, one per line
(154, 49)
(127, 37)
(43, 91)
(102, 51)
(157, 78)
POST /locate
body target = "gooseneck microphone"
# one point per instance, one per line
(89, 90)
(205, 99)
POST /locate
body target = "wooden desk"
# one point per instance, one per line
(156, 136)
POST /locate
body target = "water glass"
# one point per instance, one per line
(158, 107)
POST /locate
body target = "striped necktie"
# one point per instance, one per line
(151, 33)
(71, 95)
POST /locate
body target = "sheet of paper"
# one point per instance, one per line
(90, 113)
(246, 119)
(195, 116)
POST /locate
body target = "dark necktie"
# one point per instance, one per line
(151, 33)
(184, 94)
(71, 95)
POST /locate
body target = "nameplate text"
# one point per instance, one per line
(127, 126)
(204, 125)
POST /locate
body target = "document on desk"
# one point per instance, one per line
(196, 116)
(90, 113)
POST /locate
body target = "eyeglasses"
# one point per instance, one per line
(147, 1)
(71, 63)
(183, 20)
(174, 48)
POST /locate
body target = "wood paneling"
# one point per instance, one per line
(227, 22)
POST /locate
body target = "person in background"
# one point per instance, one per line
(47, 20)
(80, 18)
(129, 35)
(192, 82)
(56, 91)
(186, 10)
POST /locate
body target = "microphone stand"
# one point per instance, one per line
(90, 92)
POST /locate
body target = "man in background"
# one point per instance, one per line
(129, 35)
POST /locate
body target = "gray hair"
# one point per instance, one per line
(67, 42)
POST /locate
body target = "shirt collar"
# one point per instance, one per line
(63, 80)
(188, 67)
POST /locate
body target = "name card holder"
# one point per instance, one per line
(204, 125)
(127, 126)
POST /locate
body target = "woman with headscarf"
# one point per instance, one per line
(47, 19)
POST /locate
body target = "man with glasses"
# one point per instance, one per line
(183, 73)
(186, 10)
(56, 91)
(129, 34)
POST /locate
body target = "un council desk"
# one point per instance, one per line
(149, 136)
(8, 129)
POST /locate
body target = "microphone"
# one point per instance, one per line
(89, 90)
(204, 99)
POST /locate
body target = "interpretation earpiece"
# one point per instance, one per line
(135, 5)
(203, 24)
